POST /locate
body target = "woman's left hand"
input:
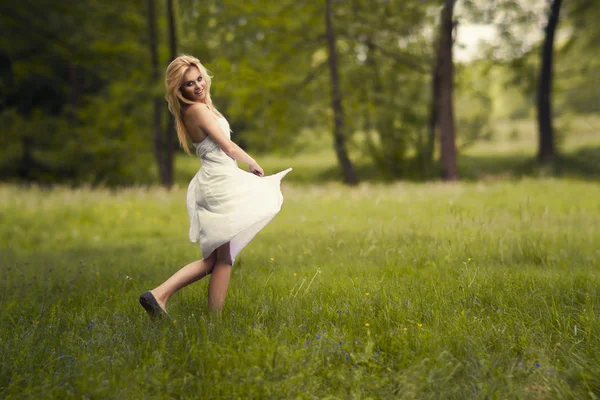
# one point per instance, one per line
(256, 170)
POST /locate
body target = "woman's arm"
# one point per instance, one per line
(202, 117)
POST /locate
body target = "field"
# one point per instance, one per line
(482, 289)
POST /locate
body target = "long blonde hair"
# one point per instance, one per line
(173, 77)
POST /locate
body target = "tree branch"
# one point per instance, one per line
(400, 58)
(312, 74)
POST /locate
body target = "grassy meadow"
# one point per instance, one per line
(486, 288)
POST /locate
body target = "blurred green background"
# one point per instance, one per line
(78, 82)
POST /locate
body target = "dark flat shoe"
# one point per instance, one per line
(151, 306)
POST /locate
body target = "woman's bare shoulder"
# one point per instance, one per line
(196, 111)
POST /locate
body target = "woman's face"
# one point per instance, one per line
(193, 86)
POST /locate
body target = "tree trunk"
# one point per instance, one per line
(429, 147)
(446, 108)
(546, 149)
(159, 150)
(171, 134)
(172, 30)
(350, 176)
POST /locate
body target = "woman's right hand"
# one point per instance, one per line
(256, 169)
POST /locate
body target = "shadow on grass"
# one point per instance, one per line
(582, 164)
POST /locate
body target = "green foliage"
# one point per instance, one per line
(517, 60)
(471, 290)
(473, 103)
(260, 54)
(578, 82)
(387, 59)
(75, 88)
(270, 71)
(73, 104)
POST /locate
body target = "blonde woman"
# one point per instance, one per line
(227, 206)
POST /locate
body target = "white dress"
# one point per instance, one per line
(226, 203)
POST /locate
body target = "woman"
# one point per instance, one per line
(227, 206)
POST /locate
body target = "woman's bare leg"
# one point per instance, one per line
(186, 275)
(219, 280)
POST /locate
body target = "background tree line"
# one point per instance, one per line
(82, 94)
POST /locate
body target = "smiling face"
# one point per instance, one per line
(193, 85)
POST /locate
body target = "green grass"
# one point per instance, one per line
(472, 290)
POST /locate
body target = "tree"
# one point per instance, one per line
(429, 147)
(336, 102)
(68, 109)
(546, 150)
(445, 106)
(386, 53)
(164, 141)
(157, 101)
(171, 134)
